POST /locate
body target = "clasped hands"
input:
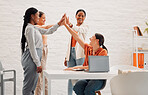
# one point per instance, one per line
(64, 20)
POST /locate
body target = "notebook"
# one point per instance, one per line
(98, 63)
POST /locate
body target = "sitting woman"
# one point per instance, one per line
(95, 48)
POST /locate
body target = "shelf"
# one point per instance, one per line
(141, 52)
(141, 37)
(138, 56)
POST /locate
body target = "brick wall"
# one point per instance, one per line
(113, 18)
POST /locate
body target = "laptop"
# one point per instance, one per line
(98, 63)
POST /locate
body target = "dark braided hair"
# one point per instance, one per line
(101, 40)
(27, 18)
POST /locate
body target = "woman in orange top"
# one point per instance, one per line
(96, 48)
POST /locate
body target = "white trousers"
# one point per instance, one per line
(39, 86)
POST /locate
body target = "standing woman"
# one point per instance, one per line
(75, 53)
(32, 53)
(39, 86)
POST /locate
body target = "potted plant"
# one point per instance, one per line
(146, 29)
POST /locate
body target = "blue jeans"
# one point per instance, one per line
(71, 63)
(72, 59)
(88, 87)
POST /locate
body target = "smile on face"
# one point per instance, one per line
(93, 40)
(80, 17)
(42, 20)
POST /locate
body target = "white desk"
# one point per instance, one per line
(61, 74)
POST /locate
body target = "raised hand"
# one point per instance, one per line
(67, 20)
(61, 22)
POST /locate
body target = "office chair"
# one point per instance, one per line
(2, 80)
(133, 83)
(98, 92)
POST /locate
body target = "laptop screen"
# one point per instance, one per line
(98, 63)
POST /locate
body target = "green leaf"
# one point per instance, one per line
(146, 23)
(146, 30)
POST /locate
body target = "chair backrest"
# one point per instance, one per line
(134, 83)
(1, 67)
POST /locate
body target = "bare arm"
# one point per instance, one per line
(75, 35)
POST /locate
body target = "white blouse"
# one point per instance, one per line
(34, 39)
(82, 33)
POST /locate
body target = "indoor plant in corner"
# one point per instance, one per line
(146, 29)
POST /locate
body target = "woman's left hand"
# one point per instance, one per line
(76, 67)
(67, 20)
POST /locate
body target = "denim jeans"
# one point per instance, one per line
(71, 63)
(88, 87)
(72, 59)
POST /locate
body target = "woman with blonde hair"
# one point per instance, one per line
(39, 86)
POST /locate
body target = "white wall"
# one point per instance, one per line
(113, 18)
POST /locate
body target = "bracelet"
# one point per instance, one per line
(70, 25)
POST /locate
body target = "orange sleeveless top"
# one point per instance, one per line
(73, 42)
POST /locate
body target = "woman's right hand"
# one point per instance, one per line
(62, 20)
(65, 62)
(39, 69)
